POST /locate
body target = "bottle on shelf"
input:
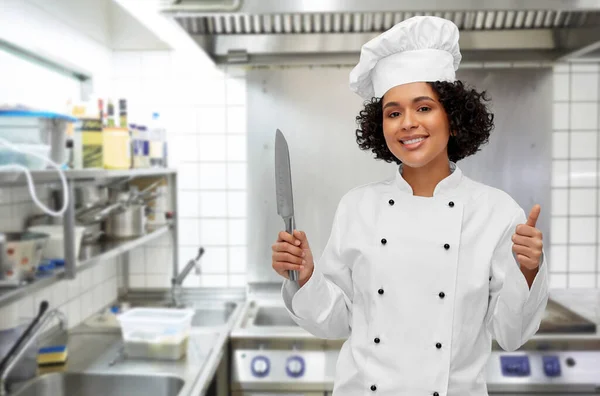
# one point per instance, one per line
(157, 135)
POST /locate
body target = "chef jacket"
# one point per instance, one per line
(419, 286)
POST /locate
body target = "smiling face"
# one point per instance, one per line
(415, 125)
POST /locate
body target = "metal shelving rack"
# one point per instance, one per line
(104, 251)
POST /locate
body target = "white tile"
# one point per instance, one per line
(582, 230)
(74, 312)
(584, 144)
(111, 290)
(237, 204)
(238, 259)
(189, 204)
(561, 86)
(560, 116)
(137, 261)
(582, 258)
(584, 86)
(561, 67)
(43, 295)
(235, 72)
(97, 275)
(20, 194)
(237, 232)
(188, 177)
(560, 201)
(159, 260)
(59, 293)
(213, 232)
(560, 173)
(155, 91)
(192, 281)
(583, 173)
(156, 63)
(73, 287)
(185, 148)
(180, 121)
(213, 204)
(214, 260)
(558, 258)
(165, 241)
(157, 281)
(584, 67)
(212, 148)
(582, 281)
(236, 91)
(236, 148)
(137, 281)
(210, 280)
(211, 120)
(558, 281)
(213, 176)
(582, 202)
(129, 88)
(189, 232)
(98, 300)
(187, 253)
(584, 116)
(236, 175)
(197, 92)
(236, 120)
(238, 280)
(558, 227)
(126, 64)
(87, 304)
(560, 145)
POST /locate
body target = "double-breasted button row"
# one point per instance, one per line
(384, 241)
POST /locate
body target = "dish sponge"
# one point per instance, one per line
(52, 356)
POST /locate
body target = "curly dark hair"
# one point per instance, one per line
(468, 116)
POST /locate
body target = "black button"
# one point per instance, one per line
(373, 388)
(384, 241)
(570, 362)
(446, 246)
(376, 340)
(380, 291)
(436, 394)
(451, 204)
(442, 294)
(490, 278)
(391, 202)
(438, 345)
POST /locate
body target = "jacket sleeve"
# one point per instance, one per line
(514, 310)
(323, 306)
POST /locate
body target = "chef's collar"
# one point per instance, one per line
(444, 186)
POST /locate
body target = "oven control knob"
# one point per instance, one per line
(295, 366)
(551, 366)
(260, 366)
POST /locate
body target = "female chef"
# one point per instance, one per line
(422, 270)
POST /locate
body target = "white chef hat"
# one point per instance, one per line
(421, 48)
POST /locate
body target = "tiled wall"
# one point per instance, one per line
(204, 110)
(575, 200)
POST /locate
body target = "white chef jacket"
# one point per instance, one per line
(419, 286)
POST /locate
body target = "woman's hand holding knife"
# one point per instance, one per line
(292, 252)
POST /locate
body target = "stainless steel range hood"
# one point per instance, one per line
(332, 31)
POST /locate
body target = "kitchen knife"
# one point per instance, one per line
(283, 187)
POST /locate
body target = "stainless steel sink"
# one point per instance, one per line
(273, 316)
(74, 384)
(215, 315)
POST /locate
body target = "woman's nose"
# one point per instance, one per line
(409, 121)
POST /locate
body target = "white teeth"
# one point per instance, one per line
(412, 141)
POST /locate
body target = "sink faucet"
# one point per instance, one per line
(24, 342)
(177, 281)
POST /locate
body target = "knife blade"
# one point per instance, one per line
(283, 188)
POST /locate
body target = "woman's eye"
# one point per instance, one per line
(394, 114)
(424, 108)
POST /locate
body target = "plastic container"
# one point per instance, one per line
(9, 156)
(154, 333)
(19, 126)
(116, 146)
(55, 247)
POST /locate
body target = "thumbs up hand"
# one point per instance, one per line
(527, 241)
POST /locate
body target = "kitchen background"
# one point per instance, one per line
(203, 107)
(220, 119)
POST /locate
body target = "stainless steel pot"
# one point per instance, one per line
(129, 222)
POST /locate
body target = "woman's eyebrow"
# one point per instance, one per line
(417, 99)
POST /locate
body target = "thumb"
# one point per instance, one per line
(533, 215)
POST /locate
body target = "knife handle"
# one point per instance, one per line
(290, 226)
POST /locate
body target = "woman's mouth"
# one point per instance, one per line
(413, 144)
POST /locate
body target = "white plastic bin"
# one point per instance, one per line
(156, 333)
(9, 156)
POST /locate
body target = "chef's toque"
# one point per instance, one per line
(419, 49)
